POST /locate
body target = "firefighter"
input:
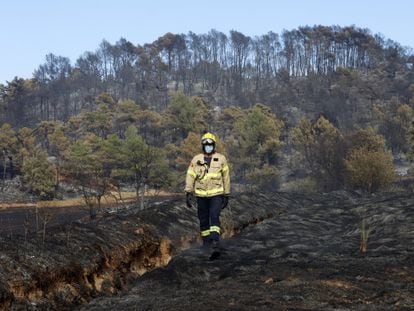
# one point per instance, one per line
(208, 178)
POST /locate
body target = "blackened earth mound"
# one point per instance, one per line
(303, 253)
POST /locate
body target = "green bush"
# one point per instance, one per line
(369, 170)
(266, 178)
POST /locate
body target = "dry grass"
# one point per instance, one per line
(79, 201)
(16, 205)
(365, 231)
(337, 284)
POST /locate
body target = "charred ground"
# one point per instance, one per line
(282, 251)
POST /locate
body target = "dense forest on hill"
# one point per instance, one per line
(315, 108)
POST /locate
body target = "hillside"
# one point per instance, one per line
(308, 108)
(281, 251)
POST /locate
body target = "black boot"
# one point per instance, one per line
(215, 250)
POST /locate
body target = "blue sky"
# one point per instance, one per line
(30, 29)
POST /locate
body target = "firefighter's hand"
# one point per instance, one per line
(225, 201)
(189, 199)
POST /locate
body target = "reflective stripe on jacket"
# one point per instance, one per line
(207, 181)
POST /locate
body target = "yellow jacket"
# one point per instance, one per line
(207, 181)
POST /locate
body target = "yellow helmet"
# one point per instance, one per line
(208, 138)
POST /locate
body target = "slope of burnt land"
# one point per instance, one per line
(302, 254)
(281, 251)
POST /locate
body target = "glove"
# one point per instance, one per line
(225, 201)
(189, 199)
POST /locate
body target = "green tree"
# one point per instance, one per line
(8, 146)
(187, 114)
(184, 152)
(59, 143)
(258, 142)
(227, 119)
(125, 115)
(394, 120)
(87, 166)
(320, 149)
(137, 161)
(105, 99)
(26, 143)
(38, 174)
(18, 102)
(98, 122)
(365, 138)
(410, 152)
(151, 126)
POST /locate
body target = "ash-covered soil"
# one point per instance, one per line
(305, 256)
(281, 252)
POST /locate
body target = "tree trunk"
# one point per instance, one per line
(37, 218)
(142, 198)
(44, 233)
(4, 169)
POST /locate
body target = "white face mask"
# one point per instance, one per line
(208, 149)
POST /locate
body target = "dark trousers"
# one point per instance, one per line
(209, 215)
